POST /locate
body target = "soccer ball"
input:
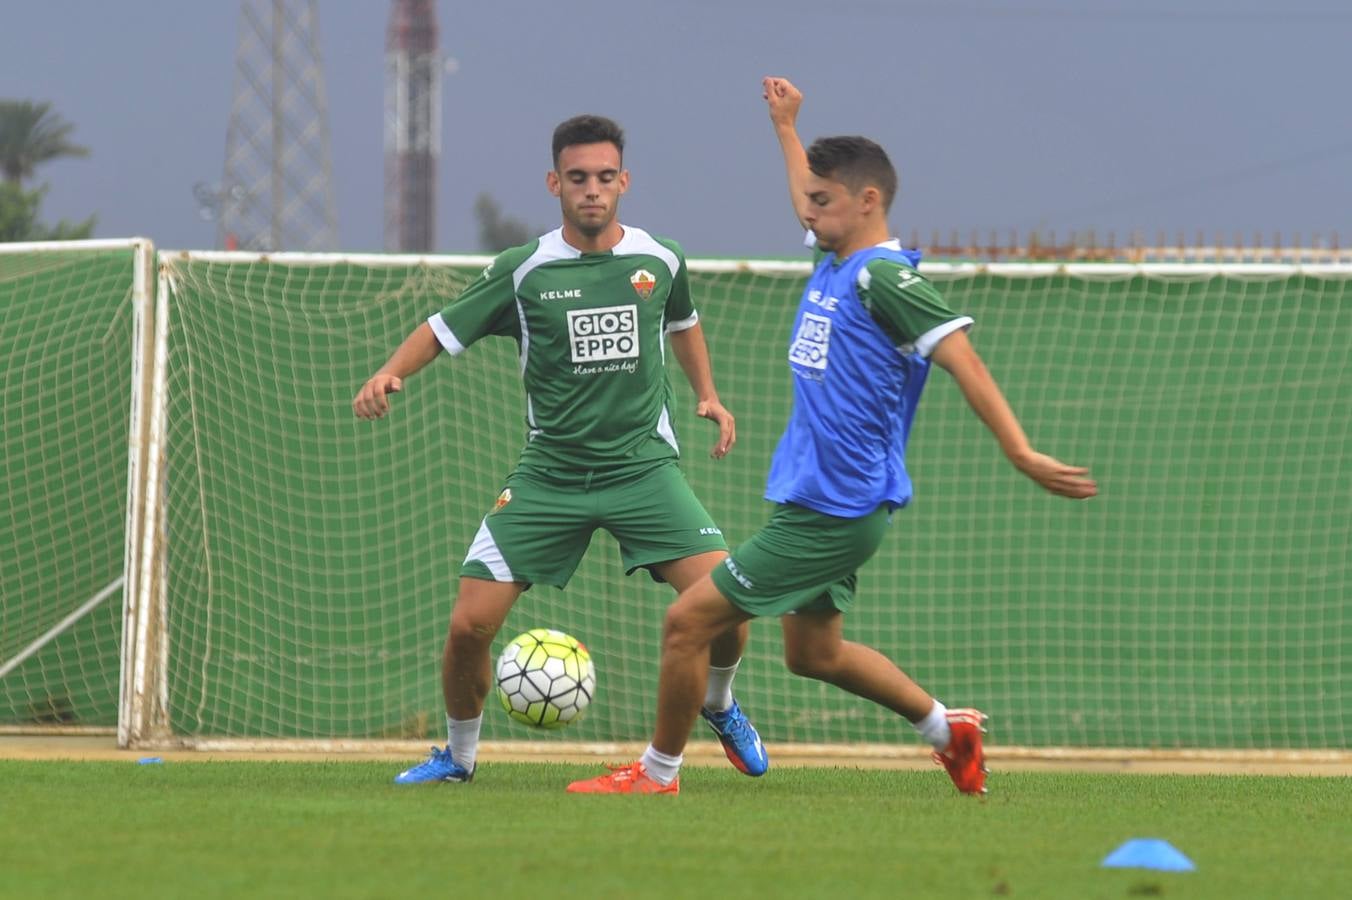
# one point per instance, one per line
(545, 678)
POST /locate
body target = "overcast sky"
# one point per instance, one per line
(1116, 115)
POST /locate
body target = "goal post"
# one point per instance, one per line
(74, 317)
(143, 700)
(298, 580)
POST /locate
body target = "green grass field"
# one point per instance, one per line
(289, 829)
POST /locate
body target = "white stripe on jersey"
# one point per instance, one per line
(683, 324)
(552, 247)
(925, 344)
(664, 429)
(445, 335)
(636, 240)
(525, 333)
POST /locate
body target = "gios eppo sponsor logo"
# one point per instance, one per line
(813, 341)
(608, 332)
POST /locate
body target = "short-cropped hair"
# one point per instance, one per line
(855, 162)
(587, 129)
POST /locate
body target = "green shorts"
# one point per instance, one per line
(543, 522)
(802, 560)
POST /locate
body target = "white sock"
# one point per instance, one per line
(934, 727)
(661, 768)
(462, 736)
(718, 692)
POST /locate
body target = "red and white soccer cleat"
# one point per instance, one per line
(963, 757)
(630, 779)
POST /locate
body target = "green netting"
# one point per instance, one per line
(1201, 601)
(65, 375)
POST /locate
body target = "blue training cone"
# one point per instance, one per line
(1148, 853)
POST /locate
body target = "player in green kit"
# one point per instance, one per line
(589, 305)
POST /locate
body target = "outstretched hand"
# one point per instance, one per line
(783, 99)
(1056, 477)
(372, 401)
(727, 426)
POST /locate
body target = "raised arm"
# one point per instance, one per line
(956, 354)
(784, 101)
(417, 350)
(693, 355)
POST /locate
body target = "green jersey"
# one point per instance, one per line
(590, 328)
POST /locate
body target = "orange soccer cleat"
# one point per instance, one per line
(630, 779)
(963, 757)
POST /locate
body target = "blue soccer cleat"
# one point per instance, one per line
(439, 767)
(739, 738)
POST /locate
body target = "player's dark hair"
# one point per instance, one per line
(587, 130)
(855, 162)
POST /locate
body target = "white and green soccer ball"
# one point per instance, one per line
(545, 678)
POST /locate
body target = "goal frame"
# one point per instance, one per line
(144, 715)
(143, 330)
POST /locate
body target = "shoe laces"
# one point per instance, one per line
(624, 771)
(737, 730)
(731, 723)
(438, 755)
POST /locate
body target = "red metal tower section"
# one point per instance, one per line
(412, 126)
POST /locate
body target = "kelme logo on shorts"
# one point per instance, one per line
(608, 332)
(643, 282)
(737, 573)
(503, 499)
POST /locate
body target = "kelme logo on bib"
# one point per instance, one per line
(643, 282)
(608, 332)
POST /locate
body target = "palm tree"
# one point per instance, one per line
(30, 134)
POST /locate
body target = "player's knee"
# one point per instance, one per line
(467, 632)
(807, 664)
(681, 631)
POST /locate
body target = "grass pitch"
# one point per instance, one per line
(291, 829)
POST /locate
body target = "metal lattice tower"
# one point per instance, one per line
(412, 126)
(277, 189)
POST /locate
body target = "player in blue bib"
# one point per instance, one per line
(867, 331)
(858, 394)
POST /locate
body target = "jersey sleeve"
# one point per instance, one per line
(486, 307)
(680, 309)
(907, 307)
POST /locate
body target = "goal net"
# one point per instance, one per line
(310, 558)
(73, 319)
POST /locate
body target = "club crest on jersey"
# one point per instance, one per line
(643, 282)
(503, 499)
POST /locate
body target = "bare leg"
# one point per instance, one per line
(697, 617)
(681, 574)
(481, 607)
(814, 647)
